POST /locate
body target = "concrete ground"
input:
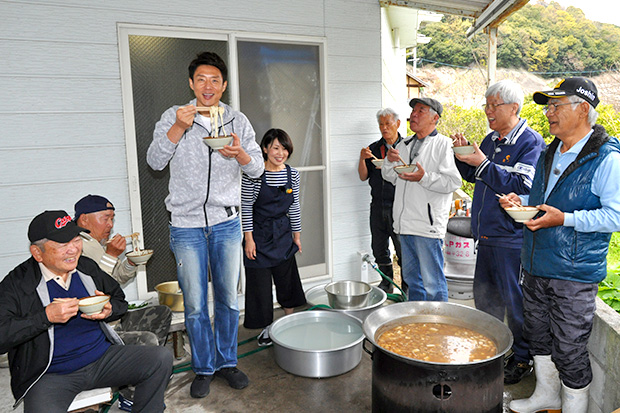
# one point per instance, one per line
(272, 389)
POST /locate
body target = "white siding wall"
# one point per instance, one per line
(61, 113)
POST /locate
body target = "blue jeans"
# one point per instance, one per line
(198, 250)
(422, 268)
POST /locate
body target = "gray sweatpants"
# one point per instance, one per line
(147, 367)
(558, 318)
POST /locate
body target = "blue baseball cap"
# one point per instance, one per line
(92, 203)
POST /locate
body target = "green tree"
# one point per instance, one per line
(541, 37)
(536, 119)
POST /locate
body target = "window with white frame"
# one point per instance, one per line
(275, 82)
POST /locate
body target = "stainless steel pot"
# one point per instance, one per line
(377, 297)
(402, 384)
(317, 343)
(348, 294)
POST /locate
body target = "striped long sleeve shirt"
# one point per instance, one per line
(250, 189)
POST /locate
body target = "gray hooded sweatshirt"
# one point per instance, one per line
(204, 185)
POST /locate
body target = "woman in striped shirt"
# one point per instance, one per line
(271, 220)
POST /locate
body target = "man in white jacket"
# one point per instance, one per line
(422, 200)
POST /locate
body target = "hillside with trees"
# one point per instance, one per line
(541, 38)
(537, 46)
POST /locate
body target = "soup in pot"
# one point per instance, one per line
(437, 342)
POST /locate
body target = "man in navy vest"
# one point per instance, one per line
(577, 189)
(55, 352)
(503, 163)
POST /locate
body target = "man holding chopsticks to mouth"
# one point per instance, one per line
(382, 193)
(503, 163)
(205, 227)
(95, 213)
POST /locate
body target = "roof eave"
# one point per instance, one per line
(495, 14)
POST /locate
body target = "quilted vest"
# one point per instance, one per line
(561, 252)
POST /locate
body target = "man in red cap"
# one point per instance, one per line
(577, 189)
(54, 351)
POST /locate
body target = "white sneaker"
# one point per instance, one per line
(263, 338)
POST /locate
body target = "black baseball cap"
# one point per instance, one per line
(571, 86)
(54, 225)
(432, 103)
(92, 203)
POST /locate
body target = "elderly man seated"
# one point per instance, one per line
(95, 213)
(54, 351)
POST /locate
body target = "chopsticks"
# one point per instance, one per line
(62, 300)
(510, 201)
(401, 159)
(135, 234)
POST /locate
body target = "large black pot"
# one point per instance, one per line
(460, 226)
(402, 384)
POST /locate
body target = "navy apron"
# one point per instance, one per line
(272, 231)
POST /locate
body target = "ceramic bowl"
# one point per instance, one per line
(522, 214)
(217, 143)
(403, 169)
(464, 150)
(93, 304)
(378, 163)
(140, 256)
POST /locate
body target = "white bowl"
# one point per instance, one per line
(464, 150)
(522, 214)
(377, 162)
(139, 257)
(403, 169)
(217, 143)
(93, 304)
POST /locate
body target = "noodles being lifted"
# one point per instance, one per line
(216, 113)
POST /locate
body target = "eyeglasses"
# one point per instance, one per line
(547, 108)
(492, 106)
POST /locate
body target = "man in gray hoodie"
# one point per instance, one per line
(205, 229)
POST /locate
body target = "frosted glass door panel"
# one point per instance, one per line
(280, 88)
